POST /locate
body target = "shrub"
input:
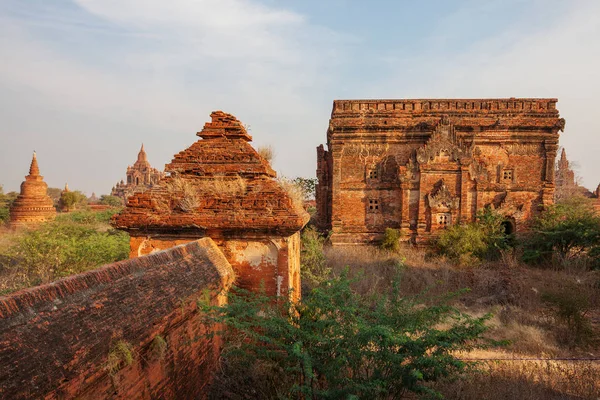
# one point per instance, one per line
(569, 307)
(158, 347)
(61, 248)
(470, 243)
(267, 153)
(563, 233)
(338, 344)
(314, 267)
(112, 201)
(391, 240)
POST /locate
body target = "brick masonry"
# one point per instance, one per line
(55, 339)
(220, 187)
(419, 165)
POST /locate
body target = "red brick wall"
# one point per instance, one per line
(55, 339)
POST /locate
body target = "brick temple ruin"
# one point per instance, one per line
(33, 205)
(140, 176)
(420, 165)
(221, 188)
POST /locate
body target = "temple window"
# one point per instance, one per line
(128, 178)
(443, 220)
(507, 175)
(373, 205)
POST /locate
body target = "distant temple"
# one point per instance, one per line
(33, 205)
(140, 177)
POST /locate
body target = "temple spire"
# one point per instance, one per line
(34, 170)
(142, 154)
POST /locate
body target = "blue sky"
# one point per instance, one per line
(85, 82)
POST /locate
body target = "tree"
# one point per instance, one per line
(112, 201)
(6, 201)
(308, 186)
(72, 200)
(337, 344)
(54, 194)
(565, 231)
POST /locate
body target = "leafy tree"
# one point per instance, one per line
(112, 201)
(6, 201)
(308, 186)
(337, 344)
(72, 200)
(476, 241)
(312, 258)
(565, 231)
(54, 194)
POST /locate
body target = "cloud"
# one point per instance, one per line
(559, 59)
(154, 70)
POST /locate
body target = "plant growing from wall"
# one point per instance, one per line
(337, 344)
(119, 356)
(158, 347)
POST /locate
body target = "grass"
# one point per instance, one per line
(514, 293)
(119, 356)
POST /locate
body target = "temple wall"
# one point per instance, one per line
(55, 339)
(272, 262)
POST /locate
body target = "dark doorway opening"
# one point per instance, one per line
(509, 227)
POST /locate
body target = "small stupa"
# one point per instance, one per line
(33, 205)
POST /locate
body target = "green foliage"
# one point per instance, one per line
(570, 307)
(6, 201)
(391, 240)
(54, 194)
(119, 356)
(566, 231)
(337, 344)
(314, 267)
(112, 201)
(72, 200)
(470, 243)
(87, 217)
(61, 248)
(308, 186)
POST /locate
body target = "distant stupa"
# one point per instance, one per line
(33, 205)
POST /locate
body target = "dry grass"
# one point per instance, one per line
(267, 153)
(294, 193)
(513, 293)
(529, 379)
(187, 193)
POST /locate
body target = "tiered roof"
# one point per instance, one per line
(218, 184)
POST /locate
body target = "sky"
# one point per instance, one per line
(85, 82)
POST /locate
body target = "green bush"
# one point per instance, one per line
(61, 248)
(314, 269)
(87, 217)
(112, 201)
(565, 232)
(337, 344)
(473, 242)
(391, 240)
(569, 307)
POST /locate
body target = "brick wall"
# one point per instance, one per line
(55, 339)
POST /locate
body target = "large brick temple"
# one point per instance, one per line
(420, 165)
(140, 176)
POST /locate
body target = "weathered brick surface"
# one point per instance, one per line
(222, 188)
(33, 205)
(419, 165)
(55, 339)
